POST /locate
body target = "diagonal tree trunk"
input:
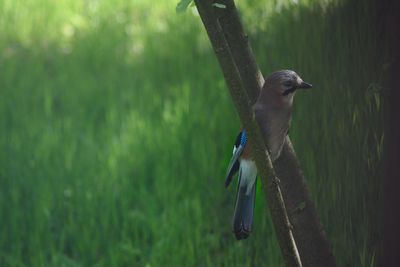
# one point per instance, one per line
(243, 105)
(294, 215)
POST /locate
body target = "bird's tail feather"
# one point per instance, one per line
(244, 209)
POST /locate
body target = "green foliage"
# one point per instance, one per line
(183, 5)
(117, 128)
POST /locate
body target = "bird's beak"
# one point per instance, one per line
(304, 85)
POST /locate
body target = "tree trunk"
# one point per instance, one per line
(244, 81)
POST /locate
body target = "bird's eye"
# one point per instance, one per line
(288, 83)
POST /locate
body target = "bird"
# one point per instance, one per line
(273, 112)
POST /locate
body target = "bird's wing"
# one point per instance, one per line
(238, 148)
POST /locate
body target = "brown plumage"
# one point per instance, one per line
(274, 106)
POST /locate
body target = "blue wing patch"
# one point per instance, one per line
(243, 138)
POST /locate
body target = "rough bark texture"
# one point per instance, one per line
(257, 146)
(238, 42)
(241, 72)
(309, 235)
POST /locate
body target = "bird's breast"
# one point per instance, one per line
(274, 125)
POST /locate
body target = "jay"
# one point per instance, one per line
(273, 112)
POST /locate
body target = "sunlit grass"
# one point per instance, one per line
(117, 128)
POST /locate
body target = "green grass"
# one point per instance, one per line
(117, 128)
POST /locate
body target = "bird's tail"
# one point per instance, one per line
(244, 208)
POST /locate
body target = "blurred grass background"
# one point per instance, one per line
(117, 128)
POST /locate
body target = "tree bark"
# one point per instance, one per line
(242, 73)
(242, 53)
(257, 146)
(309, 235)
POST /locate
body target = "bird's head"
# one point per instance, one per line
(285, 82)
